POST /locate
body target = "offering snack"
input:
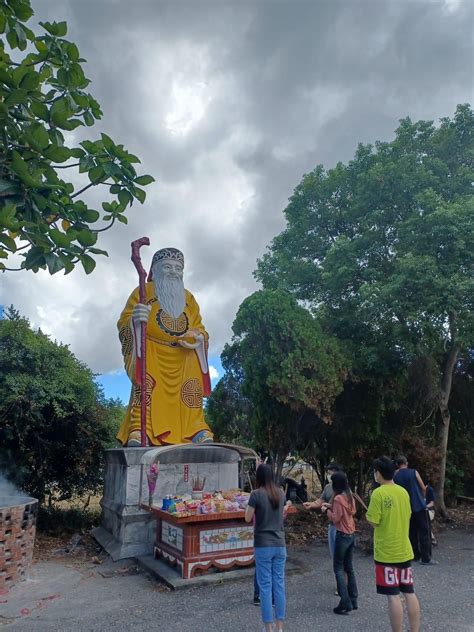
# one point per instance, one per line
(242, 499)
(219, 502)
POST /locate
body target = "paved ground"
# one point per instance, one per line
(69, 596)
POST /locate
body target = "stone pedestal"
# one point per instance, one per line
(125, 530)
(128, 531)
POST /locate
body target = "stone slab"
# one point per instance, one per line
(117, 549)
(165, 573)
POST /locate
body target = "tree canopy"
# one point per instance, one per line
(227, 411)
(43, 98)
(285, 353)
(55, 421)
(388, 238)
(280, 365)
(382, 250)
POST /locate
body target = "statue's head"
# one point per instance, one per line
(170, 255)
(166, 272)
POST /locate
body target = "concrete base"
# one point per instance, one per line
(165, 573)
(171, 577)
(125, 529)
(128, 531)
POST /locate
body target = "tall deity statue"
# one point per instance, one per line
(177, 373)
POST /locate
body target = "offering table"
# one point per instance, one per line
(198, 542)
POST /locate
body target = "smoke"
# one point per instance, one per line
(8, 490)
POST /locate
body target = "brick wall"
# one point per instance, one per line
(17, 537)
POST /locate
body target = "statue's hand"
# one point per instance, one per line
(191, 333)
(141, 313)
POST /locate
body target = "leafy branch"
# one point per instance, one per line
(42, 97)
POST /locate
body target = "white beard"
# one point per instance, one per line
(170, 293)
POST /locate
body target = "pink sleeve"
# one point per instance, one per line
(335, 514)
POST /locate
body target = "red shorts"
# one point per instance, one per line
(392, 579)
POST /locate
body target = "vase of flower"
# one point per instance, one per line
(152, 477)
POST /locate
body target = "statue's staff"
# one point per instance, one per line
(140, 365)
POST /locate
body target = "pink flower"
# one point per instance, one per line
(152, 475)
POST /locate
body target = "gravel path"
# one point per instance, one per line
(75, 597)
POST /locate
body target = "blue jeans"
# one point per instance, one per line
(332, 538)
(270, 567)
(342, 563)
(256, 589)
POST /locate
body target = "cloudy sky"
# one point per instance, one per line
(228, 104)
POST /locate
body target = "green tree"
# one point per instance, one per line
(228, 412)
(383, 249)
(113, 411)
(43, 97)
(54, 420)
(460, 467)
(289, 366)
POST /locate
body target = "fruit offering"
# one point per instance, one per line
(219, 502)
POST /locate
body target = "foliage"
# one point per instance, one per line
(55, 421)
(392, 216)
(387, 240)
(460, 468)
(383, 250)
(285, 353)
(228, 412)
(281, 362)
(43, 98)
(57, 521)
(113, 412)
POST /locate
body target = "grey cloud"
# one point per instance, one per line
(291, 84)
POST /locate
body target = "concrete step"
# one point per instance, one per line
(165, 573)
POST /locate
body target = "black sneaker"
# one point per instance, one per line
(256, 600)
(429, 563)
(341, 610)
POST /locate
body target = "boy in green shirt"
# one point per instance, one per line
(389, 512)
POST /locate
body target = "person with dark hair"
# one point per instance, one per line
(267, 504)
(420, 536)
(326, 497)
(389, 513)
(341, 513)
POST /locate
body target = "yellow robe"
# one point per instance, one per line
(174, 385)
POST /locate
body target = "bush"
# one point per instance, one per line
(56, 521)
(55, 419)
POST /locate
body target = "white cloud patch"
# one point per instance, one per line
(213, 372)
(188, 106)
(452, 5)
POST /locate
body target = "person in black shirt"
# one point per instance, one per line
(267, 504)
(420, 537)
